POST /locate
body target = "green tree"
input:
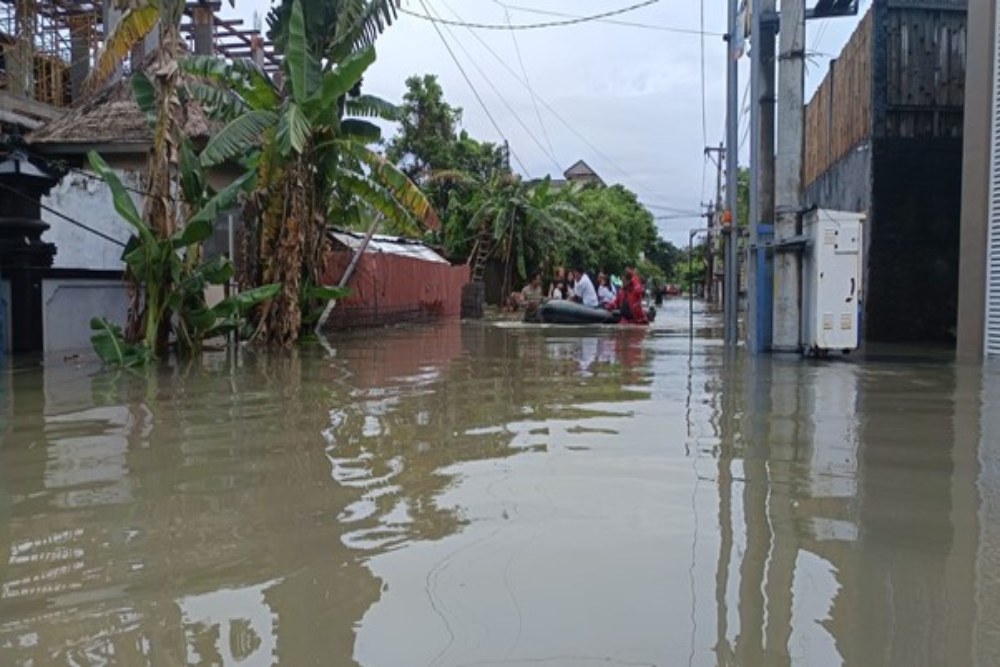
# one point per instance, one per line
(666, 257)
(524, 225)
(613, 229)
(336, 28)
(427, 135)
(313, 163)
(159, 96)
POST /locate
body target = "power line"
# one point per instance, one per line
(704, 102)
(671, 209)
(745, 115)
(472, 87)
(526, 26)
(630, 24)
(557, 115)
(531, 91)
(62, 165)
(499, 95)
(679, 216)
(58, 214)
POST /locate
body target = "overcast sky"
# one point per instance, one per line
(634, 94)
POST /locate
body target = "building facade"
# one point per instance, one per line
(979, 269)
(884, 138)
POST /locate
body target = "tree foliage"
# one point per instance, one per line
(534, 225)
(314, 163)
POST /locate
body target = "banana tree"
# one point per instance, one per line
(171, 274)
(158, 96)
(310, 147)
(336, 28)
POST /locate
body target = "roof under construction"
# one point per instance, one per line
(47, 48)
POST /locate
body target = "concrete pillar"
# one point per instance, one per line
(788, 175)
(975, 179)
(20, 60)
(257, 50)
(112, 15)
(80, 33)
(204, 28)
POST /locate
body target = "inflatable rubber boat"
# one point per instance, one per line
(570, 312)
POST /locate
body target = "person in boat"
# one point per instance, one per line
(558, 283)
(605, 295)
(583, 289)
(529, 297)
(629, 301)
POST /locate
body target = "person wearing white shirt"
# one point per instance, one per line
(583, 290)
(605, 295)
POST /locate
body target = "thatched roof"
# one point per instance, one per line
(111, 117)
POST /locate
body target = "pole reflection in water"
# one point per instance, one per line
(498, 494)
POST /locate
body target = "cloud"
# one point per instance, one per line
(634, 94)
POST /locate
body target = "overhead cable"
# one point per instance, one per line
(72, 221)
(499, 95)
(475, 92)
(629, 24)
(527, 80)
(527, 26)
(558, 116)
(704, 102)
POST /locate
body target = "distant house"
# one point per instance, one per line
(580, 173)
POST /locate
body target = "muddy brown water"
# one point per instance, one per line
(493, 494)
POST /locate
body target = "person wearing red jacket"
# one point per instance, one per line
(629, 301)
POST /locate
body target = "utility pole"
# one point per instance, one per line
(731, 291)
(760, 274)
(715, 209)
(788, 176)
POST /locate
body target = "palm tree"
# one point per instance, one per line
(309, 145)
(524, 224)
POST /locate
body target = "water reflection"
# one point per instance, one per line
(486, 494)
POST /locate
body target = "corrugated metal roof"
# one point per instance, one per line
(390, 245)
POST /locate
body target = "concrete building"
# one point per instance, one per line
(48, 121)
(884, 138)
(979, 318)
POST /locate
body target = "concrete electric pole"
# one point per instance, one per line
(731, 290)
(788, 175)
(760, 273)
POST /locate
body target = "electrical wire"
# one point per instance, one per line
(58, 214)
(499, 95)
(527, 80)
(630, 24)
(671, 209)
(559, 116)
(527, 26)
(475, 92)
(704, 102)
(745, 116)
(62, 165)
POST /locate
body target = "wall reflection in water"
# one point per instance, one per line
(852, 527)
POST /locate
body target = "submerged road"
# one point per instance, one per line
(492, 493)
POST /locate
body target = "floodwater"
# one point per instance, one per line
(488, 494)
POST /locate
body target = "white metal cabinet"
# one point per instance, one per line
(831, 280)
